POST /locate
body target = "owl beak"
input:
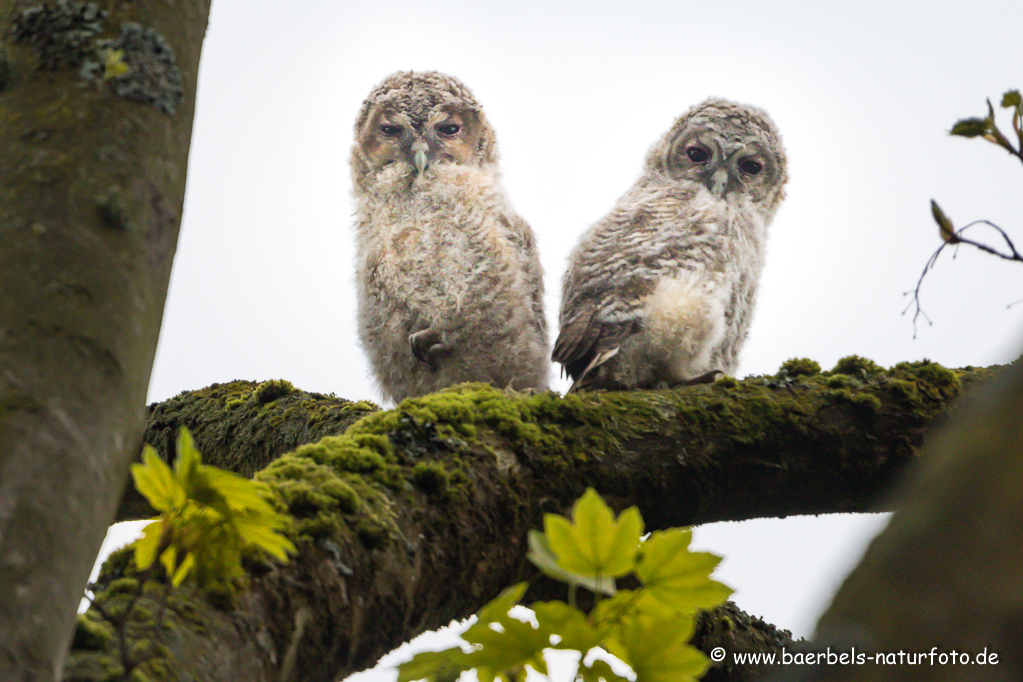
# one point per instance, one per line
(718, 182)
(419, 148)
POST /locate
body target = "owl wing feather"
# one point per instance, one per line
(534, 272)
(585, 343)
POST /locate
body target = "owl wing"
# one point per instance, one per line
(585, 343)
(526, 240)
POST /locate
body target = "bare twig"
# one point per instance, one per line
(956, 239)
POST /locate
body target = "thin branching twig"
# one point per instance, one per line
(956, 239)
(987, 129)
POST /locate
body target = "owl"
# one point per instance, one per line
(450, 286)
(660, 292)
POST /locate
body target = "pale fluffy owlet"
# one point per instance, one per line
(660, 291)
(450, 286)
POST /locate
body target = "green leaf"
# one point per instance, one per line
(183, 570)
(520, 644)
(969, 127)
(502, 642)
(169, 559)
(1013, 100)
(435, 666)
(114, 66)
(655, 649)
(499, 606)
(541, 555)
(573, 629)
(945, 227)
(260, 532)
(677, 577)
(678, 664)
(594, 543)
(188, 461)
(155, 480)
(240, 493)
(209, 517)
(599, 671)
(147, 545)
(993, 134)
(609, 613)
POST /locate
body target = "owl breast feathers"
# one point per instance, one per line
(661, 290)
(450, 287)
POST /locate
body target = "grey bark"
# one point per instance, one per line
(93, 173)
(946, 575)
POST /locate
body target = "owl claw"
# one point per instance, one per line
(707, 378)
(427, 344)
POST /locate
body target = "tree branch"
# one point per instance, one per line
(418, 515)
(956, 238)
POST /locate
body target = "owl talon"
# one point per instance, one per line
(707, 378)
(427, 345)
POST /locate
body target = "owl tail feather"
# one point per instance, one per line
(598, 360)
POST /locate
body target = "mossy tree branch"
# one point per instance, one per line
(418, 515)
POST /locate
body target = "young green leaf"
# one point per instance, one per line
(169, 559)
(499, 606)
(239, 493)
(594, 543)
(183, 570)
(147, 545)
(677, 577)
(514, 647)
(599, 671)
(945, 227)
(208, 517)
(543, 558)
(574, 630)
(1013, 100)
(260, 531)
(656, 650)
(114, 65)
(434, 666)
(969, 127)
(157, 483)
(188, 461)
(502, 642)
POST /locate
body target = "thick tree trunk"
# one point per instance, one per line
(95, 122)
(939, 594)
(418, 515)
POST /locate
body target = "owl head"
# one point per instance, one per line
(420, 120)
(732, 149)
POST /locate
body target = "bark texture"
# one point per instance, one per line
(418, 515)
(242, 426)
(95, 121)
(945, 578)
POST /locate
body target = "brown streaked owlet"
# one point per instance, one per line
(450, 287)
(660, 291)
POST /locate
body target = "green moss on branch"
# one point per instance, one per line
(413, 516)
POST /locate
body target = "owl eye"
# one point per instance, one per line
(697, 155)
(390, 130)
(448, 129)
(750, 166)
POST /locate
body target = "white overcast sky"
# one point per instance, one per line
(863, 93)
